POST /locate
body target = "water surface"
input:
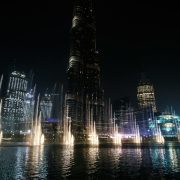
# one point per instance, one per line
(56, 162)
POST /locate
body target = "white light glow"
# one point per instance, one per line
(37, 137)
(68, 138)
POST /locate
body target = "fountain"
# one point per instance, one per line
(1, 136)
(92, 135)
(116, 135)
(68, 138)
(1, 132)
(158, 135)
(178, 131)
(137, 137)
(37, 137)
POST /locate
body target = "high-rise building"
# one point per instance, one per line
(57, 103)
(46, 107)
(124, 115)
(84, 81)
(29, 107)
(145, 94)
(144, 117)
(13, 107)
(120, 108)
(51, 106)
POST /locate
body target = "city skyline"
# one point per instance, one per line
(89, 89)
(43, 35)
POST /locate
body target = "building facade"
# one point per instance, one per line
(127, 116)
(145, 117)
(124, 115)
(29, 108)
(13, 106)
(46, 107)
(169, 124)
(84, 78)
(145, 94)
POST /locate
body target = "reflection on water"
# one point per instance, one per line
(173, 159)
(92, 159)
(165, 161)
(68, 160)
(36, 164)
(110, 161)
(158, 161)
(55, 162)
(130, 162)
(19, 164)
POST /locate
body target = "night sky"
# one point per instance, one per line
(131, 37)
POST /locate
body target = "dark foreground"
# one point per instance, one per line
(57, 162)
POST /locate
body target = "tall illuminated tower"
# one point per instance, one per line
(84, 81)
(145, 94)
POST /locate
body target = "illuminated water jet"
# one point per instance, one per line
(178, 131)
(158, 135)
(116, 135)
(93, 137)
(68, 138)
(137, 137)
(37, 137)
(1, 132)
(92, 134)
(1, 136)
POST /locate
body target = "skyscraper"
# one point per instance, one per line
(13, 108)
(84, 81)
(57, 103)
(46, 107)
(29, 105)
(145, 94)
(124, 115)
(51, 106)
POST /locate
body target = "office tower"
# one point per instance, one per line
(144, 118)
(83, 73)
(13, 106)
(29, 107)
(46, 107)
(57, 103)
(124, 115)
(51, 106)
(145, 94)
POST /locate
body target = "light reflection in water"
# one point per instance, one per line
(158, 162)
(109, 161)
(36, 164)
(92, 159)
(116, 154)
(173, 159)
(55, 162)
(132, 163)
(158, 158)
(165, 160)
(67, 160)
(20, 162)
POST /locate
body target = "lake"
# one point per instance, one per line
(57, 162)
